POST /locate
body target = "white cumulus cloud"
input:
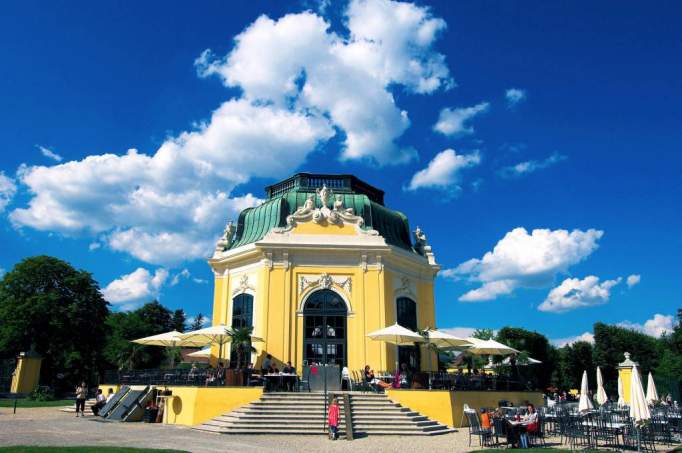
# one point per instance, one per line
(574, 293)
(633, 280)
(656, 326)
(526, 260)
(300, 83)
(298, 62)
(7, 190)
(130, 290)
(530, 166)
(444, 170)
(47, 152)
(455, 121)
(560, 342)
(514, 96)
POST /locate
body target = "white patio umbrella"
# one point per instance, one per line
(621, 392)
(601, 393)
(639, 409)
(585, 404)
(213, 335)
(444, 340)
(167, 339)
(201, 354)
(397, 335)
(489, 347)
(651, 393)
(527, 361)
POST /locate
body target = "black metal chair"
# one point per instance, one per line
(304, 382)
(485, 435)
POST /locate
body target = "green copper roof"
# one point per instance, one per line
(255, 223)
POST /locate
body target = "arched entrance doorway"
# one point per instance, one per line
(324, 321)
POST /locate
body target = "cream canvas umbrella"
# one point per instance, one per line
(651, 393)
(168, 339)
(397, 335)
(213, 335)
(585, 404)
(639, 409)
(621, 392)
(489, 347)
(526, 361)
(201, 354)
(444, 340)
(601, 393)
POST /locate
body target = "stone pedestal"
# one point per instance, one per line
(625, 373)
(27, 375)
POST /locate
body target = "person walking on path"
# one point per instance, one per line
(81, 395)
(333, 419)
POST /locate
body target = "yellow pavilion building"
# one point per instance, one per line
(317, 266)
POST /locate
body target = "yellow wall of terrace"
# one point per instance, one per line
(447, 407)
(195, 405)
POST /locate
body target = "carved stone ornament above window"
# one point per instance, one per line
(243, 285)
(324, 281)
(338, 215)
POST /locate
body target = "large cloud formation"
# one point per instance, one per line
(525, 260)
(301, 84)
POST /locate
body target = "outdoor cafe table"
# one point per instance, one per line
(278, 380)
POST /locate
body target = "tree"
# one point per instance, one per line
(198, 322)
(240, 339)
(483, 334)
(531, 344)
(123, 327)
(574, 359)
(178, 320)
(610, 342)
(48, 306)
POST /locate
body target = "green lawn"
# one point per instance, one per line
(31, 403)
(20, 449)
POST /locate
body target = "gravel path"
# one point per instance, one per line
(49, 426)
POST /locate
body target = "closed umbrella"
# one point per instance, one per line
(585, 404)
(601, 393)
(651, 393)
(639, 409)
(621, 392)
(397, 335)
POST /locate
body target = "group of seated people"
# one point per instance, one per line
(403, 378)
(516, 428)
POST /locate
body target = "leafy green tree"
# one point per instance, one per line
(574, 360)
(483, 334)
(610, 342)
(531, 344)
(198, 322)
(48, 306)
(240, 339)
(123, 327)
(178, 320)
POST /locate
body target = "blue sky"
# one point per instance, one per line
(584, 149)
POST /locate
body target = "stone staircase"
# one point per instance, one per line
(71, 409)
(303, 413)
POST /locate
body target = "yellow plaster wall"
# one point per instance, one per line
(447, 407)
(195, 405)
(328, 228)
(27, 375)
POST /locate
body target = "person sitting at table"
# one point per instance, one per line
(529, 425)
(485, 419)
(404, 377)
(373, 381)
(289, 381)
(101, 400)
(267, 362)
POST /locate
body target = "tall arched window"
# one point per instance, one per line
(242, 311)
(324, 336)
(406, 311)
